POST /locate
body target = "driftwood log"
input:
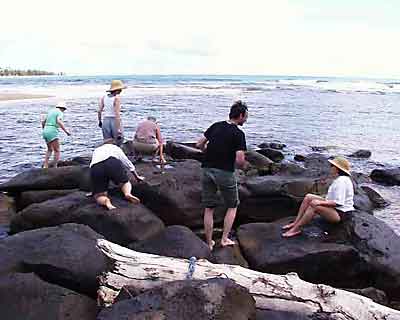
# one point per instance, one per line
(279, 293)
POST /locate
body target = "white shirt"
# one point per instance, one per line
(342, 192)
(108, 150)
(109, 110)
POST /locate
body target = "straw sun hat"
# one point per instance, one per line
(342, 164)
(116, 85)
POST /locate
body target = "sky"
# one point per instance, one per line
(265, 37)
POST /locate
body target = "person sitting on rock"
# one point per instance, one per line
(109, 163)
(338, 201)
(225, 145)
(148, 139)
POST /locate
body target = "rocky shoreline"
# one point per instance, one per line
(54, 227)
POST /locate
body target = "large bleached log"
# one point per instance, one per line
(277, 293)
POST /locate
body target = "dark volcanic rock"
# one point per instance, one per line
(180, 151)
(361, 154)
(299, 157)
(47, 179)
(360, 178)
(64, 255)
(377, 200)
(25, 296)
(123, 225)
(211, 299)
(174, 241)
(272, 145)
(314, 260)
(386, 176)
(175, 194)
(274, 155)
(363, 248)
(76, 161)
(317, 164)
(362, 201)
(229, 255)
(26, 198)
(273, 197)
(258, 161)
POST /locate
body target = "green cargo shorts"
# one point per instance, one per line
(214, 180)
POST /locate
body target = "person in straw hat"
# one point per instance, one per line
(109, 114)
(338, 201)
(51, 125)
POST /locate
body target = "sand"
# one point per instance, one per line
(21, 96)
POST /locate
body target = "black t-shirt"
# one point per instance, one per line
(224, 139)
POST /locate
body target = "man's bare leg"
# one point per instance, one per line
(228, 222)
(126, 189)
(208, 226)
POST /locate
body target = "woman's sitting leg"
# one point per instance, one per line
(303, 207)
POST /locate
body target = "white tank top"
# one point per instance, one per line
(109, 110)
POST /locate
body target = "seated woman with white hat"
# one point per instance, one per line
(338, 201)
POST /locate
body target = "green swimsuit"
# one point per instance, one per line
(50, 131)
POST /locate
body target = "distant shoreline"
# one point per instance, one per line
(21, 96)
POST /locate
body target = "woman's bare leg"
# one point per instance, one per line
(126, 189)
(56, 148)
(296, 228)
(328, 213)
(303, 207)
(48, 155)
(103, 200)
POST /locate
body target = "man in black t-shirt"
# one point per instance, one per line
(224, 145)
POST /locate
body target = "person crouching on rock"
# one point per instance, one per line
(338, 201)
(51, 125)
(225, 145)
(109, 163)
(148, 139)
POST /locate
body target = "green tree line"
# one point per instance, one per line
(29, 72)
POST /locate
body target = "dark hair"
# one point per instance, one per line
(237, 109)
(342, 173)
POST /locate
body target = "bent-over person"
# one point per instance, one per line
(109, 163)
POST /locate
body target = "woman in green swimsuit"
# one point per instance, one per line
(51, 125)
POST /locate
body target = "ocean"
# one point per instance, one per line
(341, 114)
